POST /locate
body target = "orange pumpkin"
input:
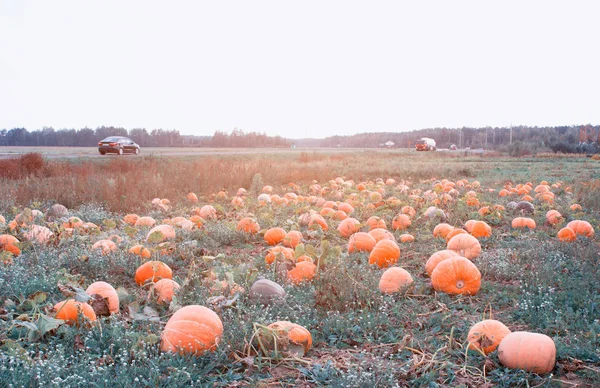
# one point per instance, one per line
(401, 222)
(523, 222)
(164, 290)
(152, 271)
(304, 271)
(145, 221)
(274, 236)
(131, 219)
(566, 234)
(107, 292)
(442, 230)
(361, 242)
(395, 279)
(575, 207)
(316, 219)
(272, 254)
(454, 232)
(192, 330)
(192, 198)
(292, 238)
(381, 234)
(436, 258)
(456, 275)
(161, 233)
(207, 212)
(531, 352)
(553, 217)
(465, 245)
(105, 246)
(346, 208)
(406, 238)
(71, 311)
(248, 225)
(376, 222)
(141, 251)
(408, 210)
(487, 335)
(348, 227)
(297, 335)
(385, 253)
(481, 229)
(582, 228)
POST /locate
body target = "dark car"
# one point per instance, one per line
(118, 145)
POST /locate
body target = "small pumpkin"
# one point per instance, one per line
(304, 271)
(107, 292)
(401, 222)
(456, 275)
(523, 222)
(272, 254)
(266, 292)
(161, 233)
(105, 246)
(131, 219)
(348, 227)
(442, 230)
(395, 279)
(406, 238)
(152, 271)
(164, 290)
(376, 222)
(486, 335)
(72, 311)
(553, 217)
(532, 352)
(381, 234)
(248, 225)
(566, 234)
(287, 337)
(292, 238)
(385, 253)
(192, 330)
(141, 251)
(480, 229)
(145, 221)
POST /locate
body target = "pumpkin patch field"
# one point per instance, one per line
(314, 269)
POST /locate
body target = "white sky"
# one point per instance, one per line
(304, 68)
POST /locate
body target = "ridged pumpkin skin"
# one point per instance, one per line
(348, 227)
(523, 222)
(106, 291)
(532, 352)
(381, 234)
(385, 253)
(297, 335)
(487, 335)
(465, 245)
(395, 279)
(274, 236)
(480, 229)
(69, 311)
(361, 242)
(192, 330)
(376, 222)
(145, 221)
(303, 272)
(248, 225)
(406, 238)
(154, 271)
(401, 222)
(437, 258)
(566, 234)
(582, 228)
(456, 275)
(165, 289)
(553, 217)
(131, 219)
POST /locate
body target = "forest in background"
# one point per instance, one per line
(557, 139)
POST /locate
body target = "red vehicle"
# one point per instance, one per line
(425, 144)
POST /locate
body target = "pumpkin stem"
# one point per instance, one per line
(460, 284)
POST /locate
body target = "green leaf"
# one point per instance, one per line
(299, 251)
(109, 224)
(156, 237)
(311, 250)
(13, 349)
(46, 324)
(29, 325)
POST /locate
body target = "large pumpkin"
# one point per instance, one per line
(292, 238)
(161, 233)
(380, 234)
(385, 253)
(480, 229)
(145, 221)
(192, 330)
(395, 279)
(442, 230)
(401, 222)
(274, 236)
(523, 222)
(376, 222)
(72, 311)
(456, 275)
(553, 217)
(107, 292)
(465, 245)
(566, 234)
(531, 352)
(487, 335)
(248, 225)
(303, 272)
(582, 228)
(361, 242)
(152, 271)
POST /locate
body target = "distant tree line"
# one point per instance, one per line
(86, 137)
(560, 138)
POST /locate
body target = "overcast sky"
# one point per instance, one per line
(304, 68)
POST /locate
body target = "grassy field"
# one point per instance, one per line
(531, 281)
